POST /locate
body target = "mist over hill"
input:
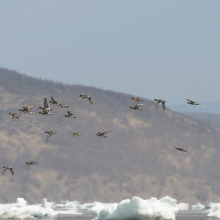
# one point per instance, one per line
(136, 159)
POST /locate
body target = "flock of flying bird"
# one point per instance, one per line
(47, 108)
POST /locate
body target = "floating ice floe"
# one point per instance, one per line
(214, 210)
(137, 208)
(21, 210)
(66, 205)
(198, 206)
(183, 206)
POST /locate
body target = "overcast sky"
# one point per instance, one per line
(152, 49)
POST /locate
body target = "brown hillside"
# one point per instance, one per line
(137, 157)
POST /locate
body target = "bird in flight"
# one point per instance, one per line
(158, 101)
(137, 99)
(137, 107)
(7, 168)
(181, 149)
(70, 115)
(192, 102)
(102, 134)
(86, 97)
(75, 134)
(30, 163)
(15, 115)
(49, 133)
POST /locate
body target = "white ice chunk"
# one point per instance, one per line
(46, 204)
(21, 210)
(183, 206)
(137, 208)
(198, 206)
(214, 210)
(21, 202)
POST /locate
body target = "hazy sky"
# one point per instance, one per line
(152, 49)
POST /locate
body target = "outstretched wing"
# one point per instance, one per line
(140, 104)
(90, 101)
(53, 99)
(14, 116)
(12, 172)
(73, 135)
(107, 131)
(163, 104)
(45, 103)
(59, 108)
(27, 164)
(48, 137)
(3, 171)
(157, 103)
(81, 99)
(189, 100)
(30, 107)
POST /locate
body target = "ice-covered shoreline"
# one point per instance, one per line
(137, 208)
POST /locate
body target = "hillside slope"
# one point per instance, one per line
(137, 158)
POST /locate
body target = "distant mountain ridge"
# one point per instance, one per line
(137, 158)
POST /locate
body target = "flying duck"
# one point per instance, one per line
(75, 134)
(30, 163)
(158, 101)
(137, 107)
(46, 106)
(181, 149)
(192, 102)
(15, 115)
(103, 134)
(27, 109)
(7, 168)
(86, 97)
(53, 101)
(70, 115)
(45, 112)
(49, 134)
(137, 99)
(61, 105)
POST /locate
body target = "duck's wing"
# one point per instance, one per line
(90, 100)
(30, 107)
(27, 164)
(48, 137)
(73, 135)
(157, 103)
(59, 108)
(26, 109)
(178, 148)
(189, 100)
(3, 171)
(81, 99)
(107, 131)
(163, 104)
(69, 113)
(45, 103)
(12, 172)
(139, 105)
(52, 99)
(14, 116)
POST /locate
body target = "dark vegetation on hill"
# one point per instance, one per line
(137, 158)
